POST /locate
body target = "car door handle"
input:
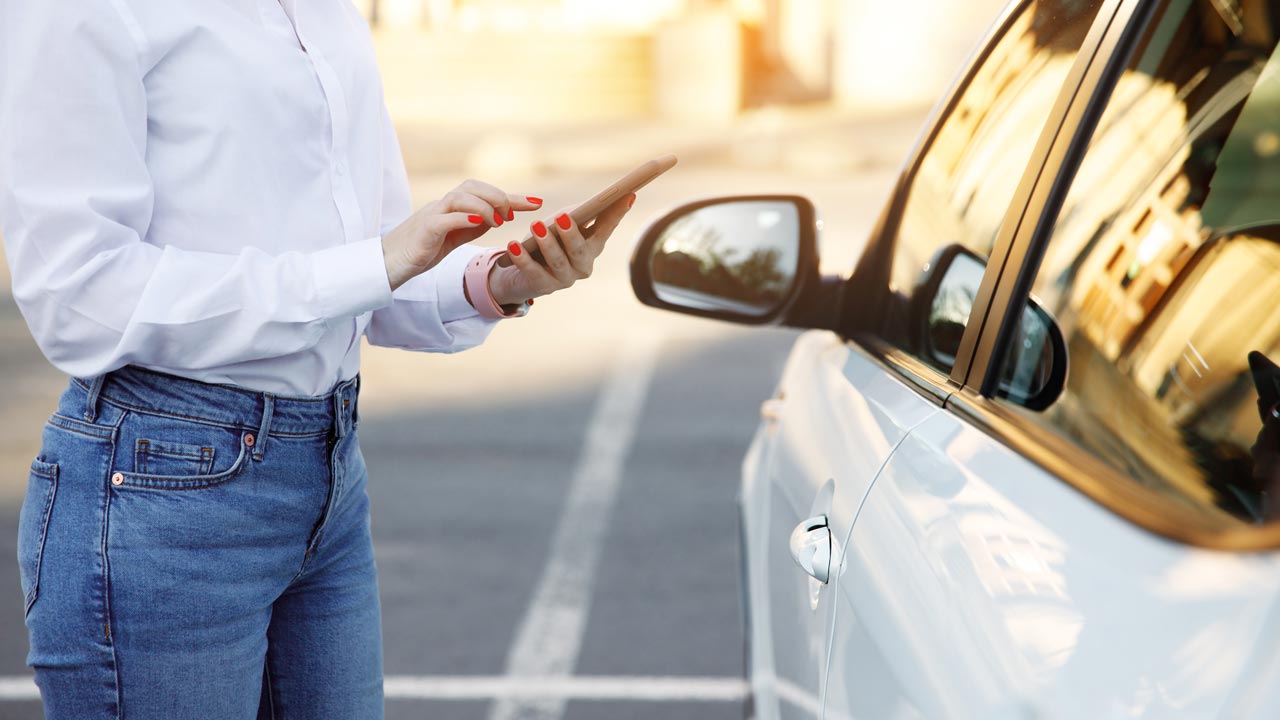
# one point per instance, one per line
(811, 547)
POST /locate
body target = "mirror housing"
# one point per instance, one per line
(685, 262)
(1035, 362)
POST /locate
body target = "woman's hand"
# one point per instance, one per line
(569, 252)
(462, 215)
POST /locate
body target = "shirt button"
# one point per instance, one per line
(117, 479)
(340, 169)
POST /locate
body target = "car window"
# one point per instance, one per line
(1163, 271)
(967, 177)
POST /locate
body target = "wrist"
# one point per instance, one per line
(479, 290)
(399, 272)
(500, 289)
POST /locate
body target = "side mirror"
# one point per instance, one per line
(742, 259)
(1035, 366)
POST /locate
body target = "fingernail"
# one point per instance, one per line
(539, 229)
(497, 217)
(475, 219)
(563, 221)
(529, 301)
(513, 247)
(632, 202)
(534, 200)
(511, 215)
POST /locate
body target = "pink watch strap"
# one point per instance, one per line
(476, 278)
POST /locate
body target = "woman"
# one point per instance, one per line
(204, 208)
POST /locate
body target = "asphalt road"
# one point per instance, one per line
(466, 530)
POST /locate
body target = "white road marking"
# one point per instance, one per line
(442, 687)
(550, 636)
(651, 689)
(13, 689)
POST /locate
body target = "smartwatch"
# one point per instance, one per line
(476, 280)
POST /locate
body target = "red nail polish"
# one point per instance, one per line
(497, 218)
(511, 215)
(513, 247)
(475, 219)
(539, 229)
(534, 200)
(563, 221)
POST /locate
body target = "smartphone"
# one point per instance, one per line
(589, 210)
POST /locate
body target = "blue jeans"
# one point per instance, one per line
(190, 550)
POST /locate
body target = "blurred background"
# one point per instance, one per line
(488, 573)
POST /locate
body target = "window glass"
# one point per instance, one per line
(1163, 272)
(959, 196)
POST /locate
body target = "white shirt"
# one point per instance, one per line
(194, 188)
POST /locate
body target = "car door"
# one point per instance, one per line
(833, 423)
(1100, 542)
(841, 407)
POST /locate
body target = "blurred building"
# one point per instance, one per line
(552, 60)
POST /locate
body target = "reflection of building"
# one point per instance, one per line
(962, 189)
(685, 58)
(1133, 263)
(1164, 272)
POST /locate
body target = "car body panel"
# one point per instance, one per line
(978, 585)
(837, 418)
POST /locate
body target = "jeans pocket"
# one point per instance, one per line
(168, 453)
(33, 524)
(158, 457)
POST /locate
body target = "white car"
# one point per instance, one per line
(1025, 462)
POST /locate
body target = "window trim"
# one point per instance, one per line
(1020, 245)
(1112, 489)
(869, 284)
(992, 306)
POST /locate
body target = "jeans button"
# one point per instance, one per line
(117, 479)
(249, 439)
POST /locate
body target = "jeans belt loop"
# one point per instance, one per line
(268, 407)
(91, 403)
(339, 413)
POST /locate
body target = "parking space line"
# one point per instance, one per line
(505, 687)
(18, 688)
(634, 689)
(549, 637)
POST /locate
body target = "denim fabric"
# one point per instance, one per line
(189, 550)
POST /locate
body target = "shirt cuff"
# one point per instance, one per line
(351, 279)
(450, 297)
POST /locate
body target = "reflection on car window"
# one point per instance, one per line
(968, 175)
(1164, 269)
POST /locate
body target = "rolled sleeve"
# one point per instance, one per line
(430, 313)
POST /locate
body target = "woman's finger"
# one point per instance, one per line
(497, 198)
(462, 201)
(443, 224)
(608, 221)
(536, 279)
(580, 254)
(524, 203)
(506, 205)
(548, 237)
